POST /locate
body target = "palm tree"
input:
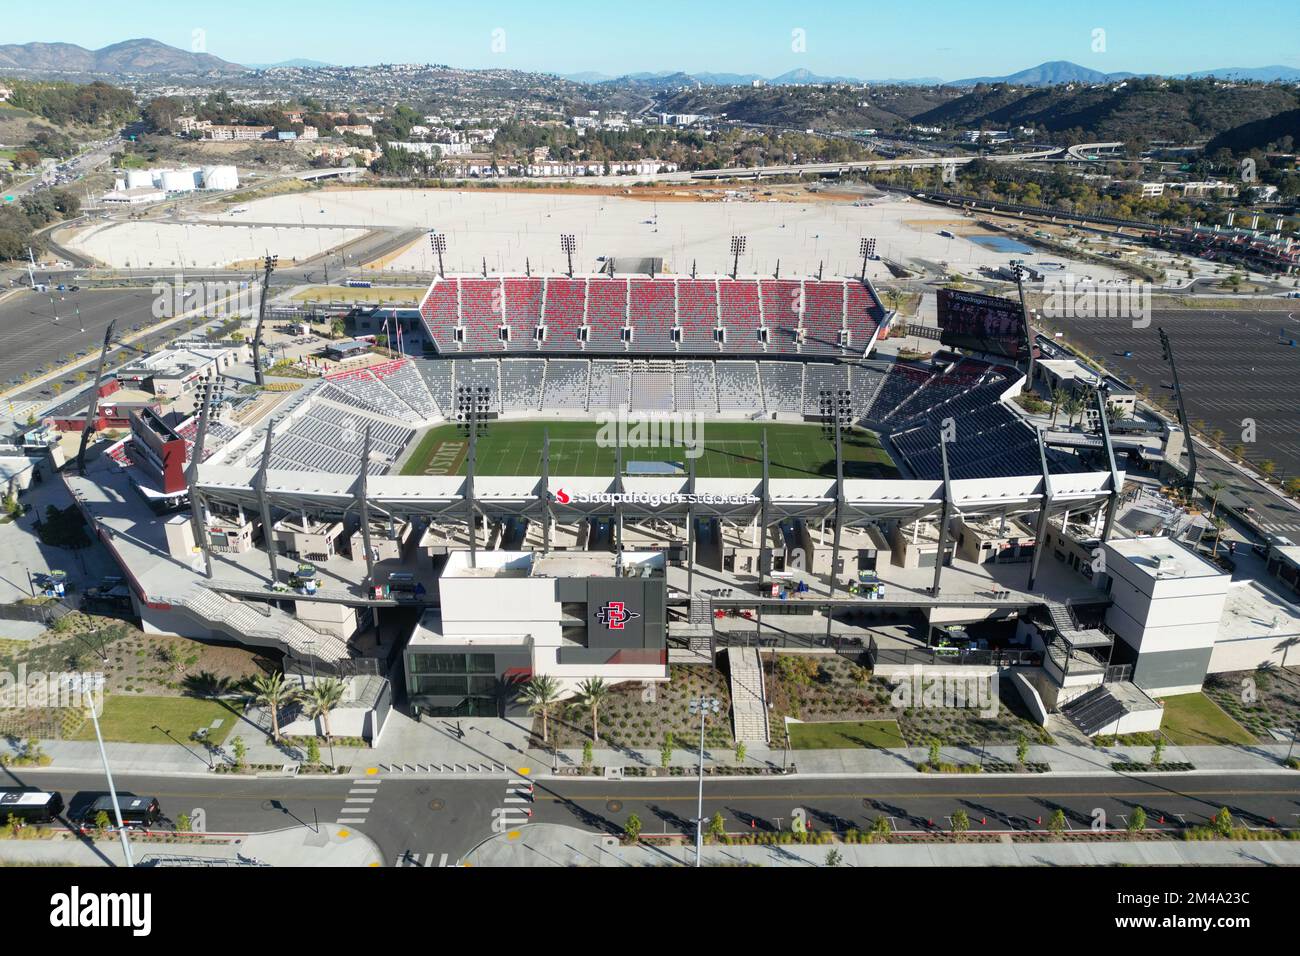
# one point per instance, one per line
(1215, 488)
(592, 693)
(270, 691)
(321, 698)
(1072, 406)
(541, 694)
(1059, 397)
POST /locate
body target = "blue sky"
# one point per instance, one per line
(950, 39)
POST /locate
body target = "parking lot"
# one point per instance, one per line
(32, 338)
(1232, 368)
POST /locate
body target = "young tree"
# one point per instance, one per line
(960, 823)
(834, 857)
(1222, 822)
(666, 751)
(1158, 751)
(1022, 749)
(591, 694)
(1056, 824)
(541, 694)
(240, 752)
(936, 752)
(1137, 821)
(632, 829)
(586, 756)
(717, 828)
(270, 691)
(740, 752)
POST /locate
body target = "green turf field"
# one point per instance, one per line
(731, 450)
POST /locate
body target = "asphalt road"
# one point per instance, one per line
(414, 822)
(922, 803)
(432, 822)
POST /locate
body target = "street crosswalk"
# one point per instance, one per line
(426, 860)
(360, 799)
(517, 809)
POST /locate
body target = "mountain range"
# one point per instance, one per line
(1051, 73)
(129, 56)
(151, 56)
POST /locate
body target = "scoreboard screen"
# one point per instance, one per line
(982, 323)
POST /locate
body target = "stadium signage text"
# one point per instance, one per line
(655, 500)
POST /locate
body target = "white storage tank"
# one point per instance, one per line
(177, 180)
(220, 177)
(139, 178)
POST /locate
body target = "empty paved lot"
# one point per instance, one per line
(1231, 365)
(32, 338)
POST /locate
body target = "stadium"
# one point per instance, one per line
(596, 476)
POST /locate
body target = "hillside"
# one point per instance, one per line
(1145, 109)
(129, 56)
(1278, 131)
(801, 107)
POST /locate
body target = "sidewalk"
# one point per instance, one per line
(333, 845)
(549, 844)
(489, 746)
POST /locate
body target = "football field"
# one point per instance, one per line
(728, 450)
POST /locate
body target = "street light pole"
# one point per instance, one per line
(112, 788)
(704, 705)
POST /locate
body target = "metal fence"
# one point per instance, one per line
(45, 614)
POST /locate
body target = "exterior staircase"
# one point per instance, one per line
(1094, 710)
(1061, 617)
(249, 625)
(748, 697)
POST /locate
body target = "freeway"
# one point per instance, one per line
(845, 166)
(418, 821)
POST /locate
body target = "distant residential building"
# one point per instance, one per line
(1209, 188)
(5, 93)
(222, 132)
(358, 129)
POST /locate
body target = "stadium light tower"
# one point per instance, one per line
(1018, 270)
(567, 245)
(93, 409)
(738, 244)
(867, 249)
(268, 266)
(1168, 355)
(438, 242)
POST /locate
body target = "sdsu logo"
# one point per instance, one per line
(562, 496)
(615, 615)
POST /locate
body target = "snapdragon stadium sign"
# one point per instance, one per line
(653, 500)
